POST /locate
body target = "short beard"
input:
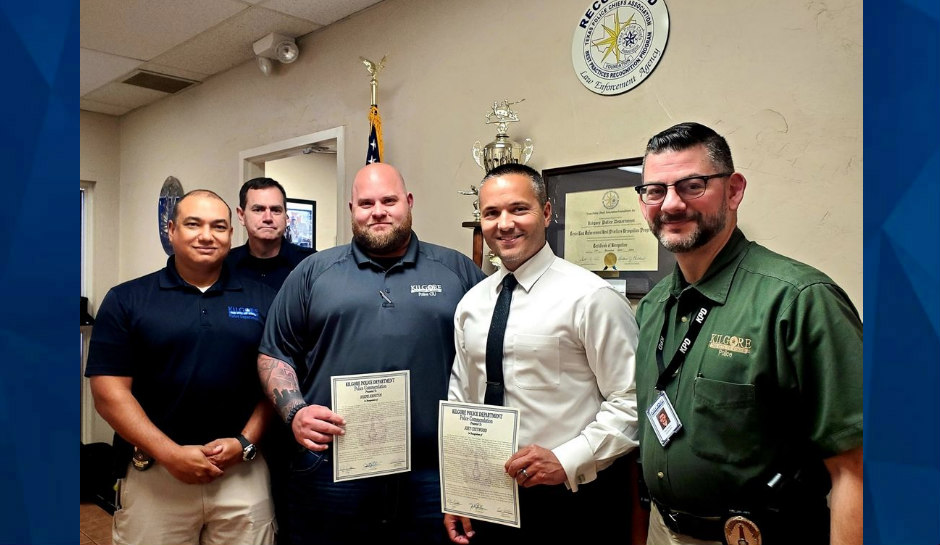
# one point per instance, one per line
(707, 228)
(383, 243)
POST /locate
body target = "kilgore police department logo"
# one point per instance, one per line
(618, 43)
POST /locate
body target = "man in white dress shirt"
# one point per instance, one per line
(567, 365)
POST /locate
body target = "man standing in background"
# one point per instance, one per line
(267, 256)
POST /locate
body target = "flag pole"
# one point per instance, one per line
(376, 147)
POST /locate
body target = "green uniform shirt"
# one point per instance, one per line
(773, 382)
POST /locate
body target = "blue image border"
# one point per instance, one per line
(39, 411)
(39, 387)
(902, 272)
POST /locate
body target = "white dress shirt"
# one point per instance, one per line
(568, 361)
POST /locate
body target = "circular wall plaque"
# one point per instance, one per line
(170, 194)
(618, 43)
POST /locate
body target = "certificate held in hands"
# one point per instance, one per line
(377, 410)
(474, 442)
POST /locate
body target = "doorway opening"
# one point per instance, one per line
(310, 167)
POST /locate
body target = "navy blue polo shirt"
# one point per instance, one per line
(192, 355)
(329, 319)
(269, 270)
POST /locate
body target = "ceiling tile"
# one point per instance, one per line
(122, 94)
(99, 68)
(173, 71)
(322, 13)
(183, 38)
(148, 28)
(110, 109)
(229, 44)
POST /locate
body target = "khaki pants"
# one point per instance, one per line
(660, 534)
(157, 509)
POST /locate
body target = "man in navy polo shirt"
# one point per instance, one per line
(172, 367)
(267, 256)
(384, 302)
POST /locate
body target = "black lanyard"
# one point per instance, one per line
(666, 374)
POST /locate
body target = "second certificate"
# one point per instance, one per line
(377, 410)
(474, 442)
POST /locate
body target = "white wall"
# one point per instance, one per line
(781, 80)
(100, 164)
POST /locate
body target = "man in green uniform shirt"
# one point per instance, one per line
(749, 369)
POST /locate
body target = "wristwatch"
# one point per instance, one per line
(249, 451)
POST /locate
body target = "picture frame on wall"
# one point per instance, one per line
(301, 222)
(597, 223)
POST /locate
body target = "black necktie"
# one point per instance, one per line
(494, 343)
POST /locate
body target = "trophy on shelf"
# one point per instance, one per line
(476, 203)
(498, 152)
(502, 150)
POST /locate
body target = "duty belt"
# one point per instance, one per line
(141, 460)
(704, 528)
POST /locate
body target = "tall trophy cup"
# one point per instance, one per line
(498, 152)
(502, 150)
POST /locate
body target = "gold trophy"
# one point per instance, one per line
(498, 152)
(502, 150)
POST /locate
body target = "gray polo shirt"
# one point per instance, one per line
(329, 319)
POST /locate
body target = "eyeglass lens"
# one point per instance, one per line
(689, 188)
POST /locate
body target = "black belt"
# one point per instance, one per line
(704, 528)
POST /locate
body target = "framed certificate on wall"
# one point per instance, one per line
(597, 223)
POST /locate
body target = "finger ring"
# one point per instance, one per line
(524, 473)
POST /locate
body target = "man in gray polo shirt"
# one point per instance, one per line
(384, 302)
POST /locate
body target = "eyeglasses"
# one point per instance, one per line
(689, 188)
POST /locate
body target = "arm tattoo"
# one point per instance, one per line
(279, 382)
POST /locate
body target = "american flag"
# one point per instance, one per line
(374, 153)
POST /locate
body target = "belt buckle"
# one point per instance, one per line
(742, 531)
(141, 460)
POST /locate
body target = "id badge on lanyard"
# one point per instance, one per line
(661, 414)
(663, 418)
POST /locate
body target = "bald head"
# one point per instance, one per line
(381, 210)
(383, 173)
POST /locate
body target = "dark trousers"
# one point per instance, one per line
(404, 508)
(599, 512)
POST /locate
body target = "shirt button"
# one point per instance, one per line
(685, 319)
(660, 475)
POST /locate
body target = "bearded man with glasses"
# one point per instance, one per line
(755, 358)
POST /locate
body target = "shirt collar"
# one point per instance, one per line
(410, 257)
(529, 272)
(282, 253)
(716, 282)
(170, 279)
